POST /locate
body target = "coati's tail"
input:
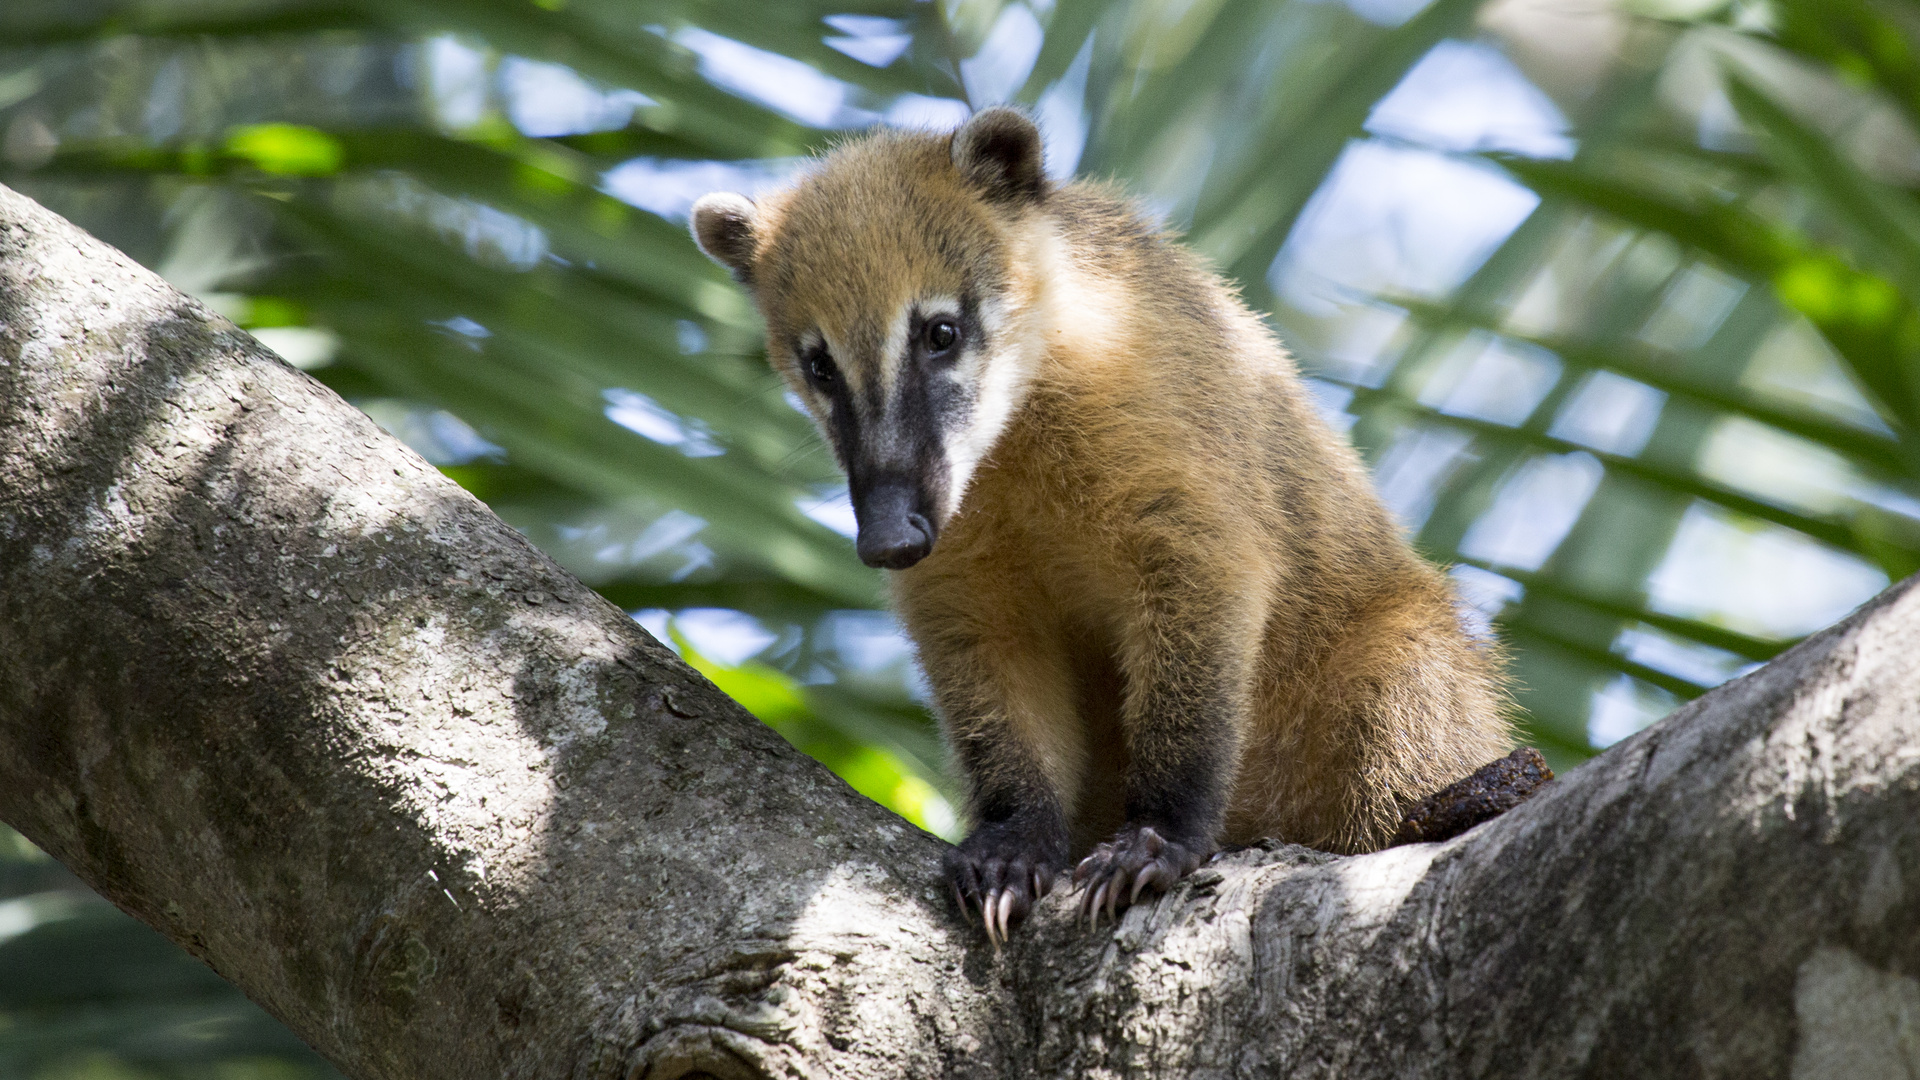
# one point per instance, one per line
(1485, 794)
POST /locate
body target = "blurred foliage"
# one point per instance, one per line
(87, 993)
(1696, 353)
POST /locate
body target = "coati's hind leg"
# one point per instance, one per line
(1401, 705)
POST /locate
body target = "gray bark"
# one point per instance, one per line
(273, 685)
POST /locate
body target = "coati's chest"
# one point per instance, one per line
(1044, 519)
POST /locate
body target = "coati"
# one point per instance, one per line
(1159, 605)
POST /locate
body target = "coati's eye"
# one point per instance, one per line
(820, 368)
(942, 336)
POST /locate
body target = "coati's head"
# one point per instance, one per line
(890, 281)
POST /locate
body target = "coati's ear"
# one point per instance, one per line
(999, 151)
(723, 226)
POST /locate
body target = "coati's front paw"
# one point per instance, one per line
(1001, 870)
(1138, 858)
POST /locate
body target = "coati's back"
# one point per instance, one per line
(1164, 605)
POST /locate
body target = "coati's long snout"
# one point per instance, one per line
(891, 436)
(896, 520)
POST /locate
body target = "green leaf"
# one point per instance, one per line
(844, 736)
(286, 149)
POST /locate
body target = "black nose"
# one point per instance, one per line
(894, 534)
(896, 543)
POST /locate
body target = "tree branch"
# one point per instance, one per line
(272, 684)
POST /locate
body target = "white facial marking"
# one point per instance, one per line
(1034, 315)
(893, 350)
(886, 434)
(1000, 376)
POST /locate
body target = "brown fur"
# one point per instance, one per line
(1165, 552)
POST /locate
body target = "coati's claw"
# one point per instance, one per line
(1001, 871)
(1148, 876)
(1139, 858)
(1090, 904)
(960, 902)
